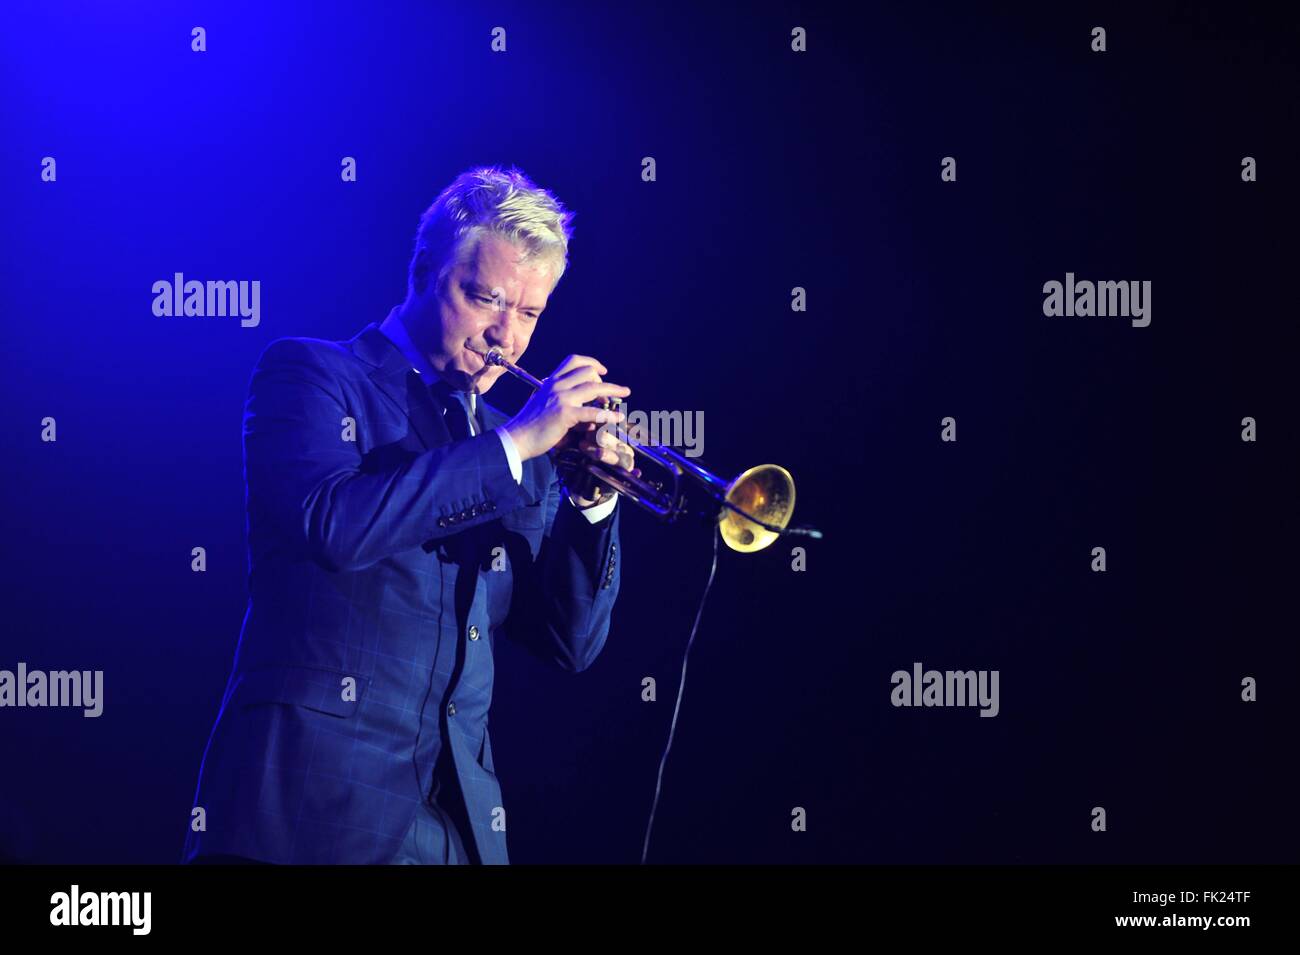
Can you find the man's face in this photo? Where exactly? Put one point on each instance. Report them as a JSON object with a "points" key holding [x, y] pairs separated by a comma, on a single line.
{"points": [[488, 300]]}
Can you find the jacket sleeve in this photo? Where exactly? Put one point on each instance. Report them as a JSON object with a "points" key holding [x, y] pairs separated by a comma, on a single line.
{"points": [[562, 604], [305, 480]]}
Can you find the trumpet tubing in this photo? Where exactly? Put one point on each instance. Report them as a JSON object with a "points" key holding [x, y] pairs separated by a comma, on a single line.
{"points": [[752, 508]]}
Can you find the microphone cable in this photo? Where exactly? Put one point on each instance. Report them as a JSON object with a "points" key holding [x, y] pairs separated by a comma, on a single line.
{"points": [[681, 686]]}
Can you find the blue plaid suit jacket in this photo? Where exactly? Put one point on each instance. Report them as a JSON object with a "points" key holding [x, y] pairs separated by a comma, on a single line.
{"points": [[385, 560]]}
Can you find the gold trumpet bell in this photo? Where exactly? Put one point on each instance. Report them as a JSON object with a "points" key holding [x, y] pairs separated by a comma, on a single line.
{"points": [[766, 492]]}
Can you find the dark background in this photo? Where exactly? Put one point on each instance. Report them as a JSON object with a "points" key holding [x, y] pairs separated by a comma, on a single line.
{"points": [[775, 170]]}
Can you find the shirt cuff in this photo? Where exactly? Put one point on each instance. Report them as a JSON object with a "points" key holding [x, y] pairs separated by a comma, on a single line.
{"points": [[597, 512], [512, 456]]}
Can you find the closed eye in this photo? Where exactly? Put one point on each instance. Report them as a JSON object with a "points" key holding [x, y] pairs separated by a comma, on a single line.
{"points": [[488, 300]]}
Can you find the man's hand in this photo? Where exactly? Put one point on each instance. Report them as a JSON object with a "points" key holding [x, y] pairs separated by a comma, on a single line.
{"points": [[561, 404], [600, 444]]}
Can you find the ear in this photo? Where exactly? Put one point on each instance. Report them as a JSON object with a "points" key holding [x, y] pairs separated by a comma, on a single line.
{"points": [[421, 270]]}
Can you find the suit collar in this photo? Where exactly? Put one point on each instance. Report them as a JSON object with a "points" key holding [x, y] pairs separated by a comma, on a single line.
{"points": [[392, 374]]}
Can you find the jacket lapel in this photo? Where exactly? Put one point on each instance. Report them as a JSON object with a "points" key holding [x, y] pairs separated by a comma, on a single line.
{"points": [[394, 376]]}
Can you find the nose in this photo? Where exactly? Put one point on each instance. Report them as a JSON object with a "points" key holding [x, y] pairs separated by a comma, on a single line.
{"points": [[501, 332]]}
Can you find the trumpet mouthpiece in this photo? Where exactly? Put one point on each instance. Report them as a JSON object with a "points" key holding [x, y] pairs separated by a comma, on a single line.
{"points": [[494, 357]]}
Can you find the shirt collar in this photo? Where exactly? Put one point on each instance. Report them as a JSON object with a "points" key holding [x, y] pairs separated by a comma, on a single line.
{"points": [[396, 332]]}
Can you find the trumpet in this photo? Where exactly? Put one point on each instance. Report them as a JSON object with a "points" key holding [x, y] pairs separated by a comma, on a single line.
{"points": [[752, 510]]}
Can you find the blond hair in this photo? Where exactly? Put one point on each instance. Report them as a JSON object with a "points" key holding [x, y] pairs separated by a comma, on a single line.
{"points": [[489, 200]]}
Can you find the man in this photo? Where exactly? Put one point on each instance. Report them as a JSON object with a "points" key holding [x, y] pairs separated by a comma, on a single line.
{"points": [[398, 525]]}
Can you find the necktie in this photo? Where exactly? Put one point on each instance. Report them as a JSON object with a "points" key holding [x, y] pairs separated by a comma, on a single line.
{"points": [[454, 412]]}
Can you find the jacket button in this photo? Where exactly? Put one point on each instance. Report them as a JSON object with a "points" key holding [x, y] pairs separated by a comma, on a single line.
{"points": [[473, 632], [451, 709]]}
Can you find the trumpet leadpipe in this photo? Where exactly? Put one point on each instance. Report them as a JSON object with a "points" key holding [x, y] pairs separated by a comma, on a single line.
{"points": [[494, 357]]}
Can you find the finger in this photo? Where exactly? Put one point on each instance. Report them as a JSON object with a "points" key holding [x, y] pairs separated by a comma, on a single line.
{"points": [[574, 361], [613, 456], [595, 389], [598, 415], [605, 447], [574, 376], [604, 439]]}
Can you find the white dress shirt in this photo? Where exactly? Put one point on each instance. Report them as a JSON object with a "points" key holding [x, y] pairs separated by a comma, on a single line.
{"points": [[395, 331]]}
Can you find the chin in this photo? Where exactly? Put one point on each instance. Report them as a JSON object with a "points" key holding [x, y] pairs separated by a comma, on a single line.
{"points": [[486, 380]]}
